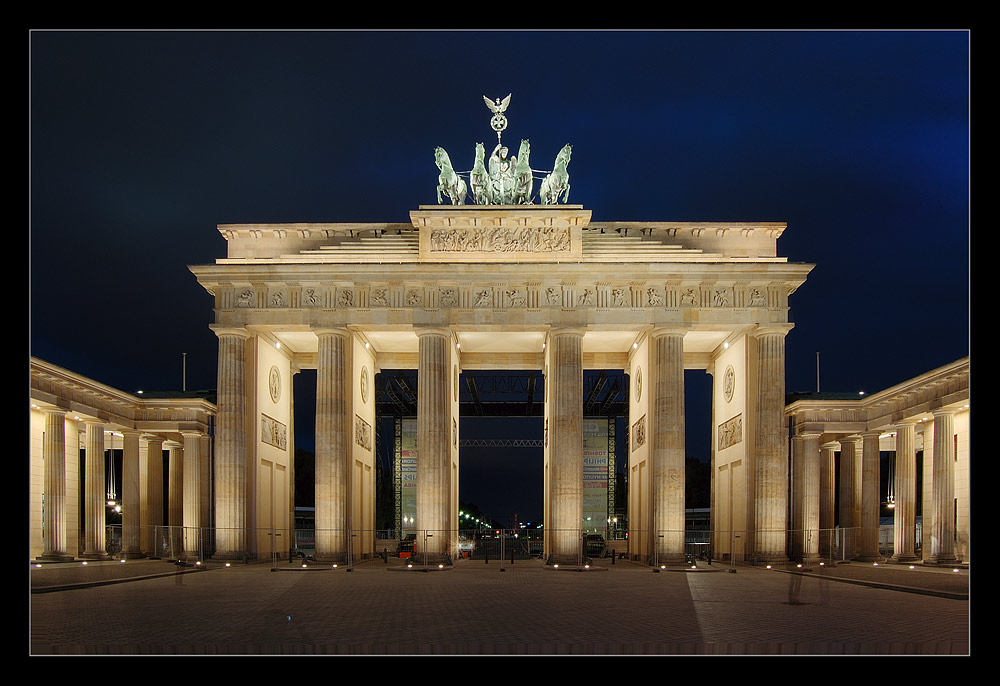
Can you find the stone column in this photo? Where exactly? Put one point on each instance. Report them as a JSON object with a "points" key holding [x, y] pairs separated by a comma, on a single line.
{"points": [[795, 531], [870, 497], [850, 496], [770, 449], [333, 444], [809, 497], [904, 534], [152, 520], [667, 443], [191, 506], [927, 491], [231, 446], [827, 497], [433, 443], [565, 397], [206, 488], [54, 485], [131, 509], [95, 495], [175, 498], [943, 489]]}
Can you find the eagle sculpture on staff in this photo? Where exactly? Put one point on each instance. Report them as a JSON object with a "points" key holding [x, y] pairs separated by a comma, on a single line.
{"points": [[499, 122]]}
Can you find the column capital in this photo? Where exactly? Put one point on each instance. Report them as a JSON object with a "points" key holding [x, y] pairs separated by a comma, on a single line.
{"points": [[772, 329], [191, 433], [660, 331], [54, 411], [830, 445], [331, 331], [943, 412], [130, 432], [421, 331], [567, 331], [809, 434], [904, 423], [221, 331], [152, 438], [871, 432]]}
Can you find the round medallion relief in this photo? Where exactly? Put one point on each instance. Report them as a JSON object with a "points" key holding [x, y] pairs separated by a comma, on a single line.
{"points": [[274, 383], [364, 384], [729, 383]]}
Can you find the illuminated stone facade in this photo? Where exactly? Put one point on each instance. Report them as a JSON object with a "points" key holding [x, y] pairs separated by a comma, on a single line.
{"points": [[503, 287]]}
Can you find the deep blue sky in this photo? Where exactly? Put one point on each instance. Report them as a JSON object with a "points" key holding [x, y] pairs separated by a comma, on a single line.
{"points": [[142, 142]]}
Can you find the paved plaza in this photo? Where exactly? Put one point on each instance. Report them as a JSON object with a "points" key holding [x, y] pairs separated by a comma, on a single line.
{"points": [[475, 608]]}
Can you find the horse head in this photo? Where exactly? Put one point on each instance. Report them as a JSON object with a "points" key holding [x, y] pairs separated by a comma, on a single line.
{"points": [[441, 159], [524, 151]]}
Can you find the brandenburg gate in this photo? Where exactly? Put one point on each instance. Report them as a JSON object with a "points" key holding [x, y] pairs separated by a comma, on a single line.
{"points": [[501, 284]]}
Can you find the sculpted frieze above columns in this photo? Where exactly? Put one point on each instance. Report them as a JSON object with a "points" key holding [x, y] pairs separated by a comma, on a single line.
{"points": [[523, 239], [530, 295]]}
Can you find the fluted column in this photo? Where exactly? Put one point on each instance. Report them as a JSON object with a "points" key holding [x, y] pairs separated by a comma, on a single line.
{"points": [[231, 446], [870, 497], [796, 525], [850, 495], [927, 491], [433, 434], [827, 497], [95, 493], [152, 520], [206, 486], [770, 450], [191, 505], [54, 485], [943, 489], [333, 443], [904, 535], [131, 509], [667, 443], [565, 398], [175, 497], [809, 497]]}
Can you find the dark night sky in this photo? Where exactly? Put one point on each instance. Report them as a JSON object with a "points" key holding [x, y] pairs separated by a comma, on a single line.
{"points": [[142, 142]]}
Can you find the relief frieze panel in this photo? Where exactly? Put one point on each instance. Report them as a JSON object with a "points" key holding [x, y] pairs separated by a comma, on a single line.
{"points": [[639, 433], [730, 432], [273, 432], [362, 433], [524, 295], [501, 240]]}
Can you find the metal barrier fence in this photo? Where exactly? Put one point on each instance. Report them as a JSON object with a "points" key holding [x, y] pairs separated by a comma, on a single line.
{"points": [[580, 546]]}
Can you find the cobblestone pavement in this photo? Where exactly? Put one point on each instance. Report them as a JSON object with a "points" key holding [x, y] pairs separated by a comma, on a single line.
{"points": [[475, 608]]}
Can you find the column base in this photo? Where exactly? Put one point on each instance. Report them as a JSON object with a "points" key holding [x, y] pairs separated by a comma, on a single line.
{"points": [[54, 557], [941, 561], [431, 559], [94, 556], [904, 557], [669, 559], [564, 560], [869, 558], [331, 558]]}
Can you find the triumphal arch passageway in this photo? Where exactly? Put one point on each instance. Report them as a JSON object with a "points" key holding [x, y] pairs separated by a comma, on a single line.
{"points": [[501, 286]]}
